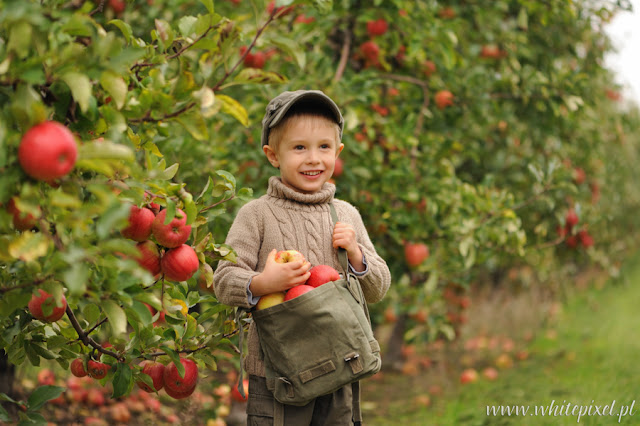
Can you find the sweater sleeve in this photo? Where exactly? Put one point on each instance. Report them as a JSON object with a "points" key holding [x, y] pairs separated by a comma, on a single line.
{"points": [[377, 280], [231, 279]]}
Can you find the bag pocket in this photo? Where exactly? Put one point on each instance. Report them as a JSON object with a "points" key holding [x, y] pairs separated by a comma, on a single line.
{"points": [[316, 343]]}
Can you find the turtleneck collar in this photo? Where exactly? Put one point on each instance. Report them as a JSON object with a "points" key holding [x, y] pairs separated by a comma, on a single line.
{"points": [[279, 190]]}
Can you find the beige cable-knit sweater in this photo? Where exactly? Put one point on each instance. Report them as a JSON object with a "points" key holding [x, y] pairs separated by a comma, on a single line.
{"points": [[285, 219]]}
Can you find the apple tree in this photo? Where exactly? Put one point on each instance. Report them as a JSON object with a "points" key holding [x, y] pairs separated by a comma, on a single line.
{"points": [[113, 194]]}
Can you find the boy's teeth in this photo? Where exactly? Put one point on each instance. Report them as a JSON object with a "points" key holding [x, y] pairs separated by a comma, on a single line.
{"points": [[311, 173]]}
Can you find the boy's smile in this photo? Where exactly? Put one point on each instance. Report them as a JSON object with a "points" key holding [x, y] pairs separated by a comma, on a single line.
{"points": [[306, 155]]}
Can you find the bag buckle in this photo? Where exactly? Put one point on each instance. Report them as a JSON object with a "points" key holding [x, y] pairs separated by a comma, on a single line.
{"points": [[354, 362]]}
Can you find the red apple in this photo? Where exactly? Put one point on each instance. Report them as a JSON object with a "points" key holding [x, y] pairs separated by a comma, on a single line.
{"points": [[491, 51], [579, 175], [95, 397], [149, 257], [47, 151], [177, 384], [370, 50], [585, 239], [21, 221], [429, 68], [120, 413], [173, 234], [296, 291], [140, 221], [269, 300], [97, 369], [416, 253], [490, 373], [469, 375], [179, 395], [180, 263], [443, 99], [46, 377], [77, 368], [52, 311], [377, 27], [118, 6], [321, 274], [235, 393], [155, 370], [286, 256], [571, 219]]}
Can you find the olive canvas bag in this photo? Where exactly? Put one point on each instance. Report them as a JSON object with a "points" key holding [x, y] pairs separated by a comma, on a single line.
{"points": [[320, 341]]}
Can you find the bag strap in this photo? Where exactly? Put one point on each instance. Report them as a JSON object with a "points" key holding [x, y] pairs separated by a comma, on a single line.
{"points": [[344, 262], [342, 253]]}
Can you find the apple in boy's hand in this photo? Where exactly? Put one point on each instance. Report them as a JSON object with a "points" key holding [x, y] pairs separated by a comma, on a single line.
{"points": [[286, 256], [321, 274], [296, 291], [269, 300]]}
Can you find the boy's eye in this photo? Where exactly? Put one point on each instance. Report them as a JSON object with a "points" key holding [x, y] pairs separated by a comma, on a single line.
{"points": [[298, 147]]}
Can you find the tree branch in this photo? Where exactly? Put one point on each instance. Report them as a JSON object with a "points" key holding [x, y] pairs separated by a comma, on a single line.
{"points": [[344, 53], [88, 341], [217, 204], [244, 55]]}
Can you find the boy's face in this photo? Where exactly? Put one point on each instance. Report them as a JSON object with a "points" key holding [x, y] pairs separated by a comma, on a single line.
{"points": [[306, 154]]}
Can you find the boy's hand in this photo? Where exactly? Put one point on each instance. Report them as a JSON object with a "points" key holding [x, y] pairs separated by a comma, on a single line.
{"points": [[345, 236], [279, 276]]}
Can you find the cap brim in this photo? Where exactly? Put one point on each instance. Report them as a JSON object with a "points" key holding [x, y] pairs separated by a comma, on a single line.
{"points": [[309, 95]]}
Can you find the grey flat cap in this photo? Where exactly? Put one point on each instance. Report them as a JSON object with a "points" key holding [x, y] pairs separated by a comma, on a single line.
{"points": [[278, 107]]}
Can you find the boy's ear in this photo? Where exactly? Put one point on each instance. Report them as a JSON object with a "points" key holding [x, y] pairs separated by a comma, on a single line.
{"points": [[339, 150], [271, 156]]}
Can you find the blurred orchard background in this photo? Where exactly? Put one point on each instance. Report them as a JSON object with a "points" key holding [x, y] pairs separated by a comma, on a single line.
{"points": [[489, 149]]}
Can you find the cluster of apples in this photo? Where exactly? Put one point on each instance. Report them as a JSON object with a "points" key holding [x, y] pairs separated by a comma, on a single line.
{"points": [[168, 377], [180, 261], [320, 274]]}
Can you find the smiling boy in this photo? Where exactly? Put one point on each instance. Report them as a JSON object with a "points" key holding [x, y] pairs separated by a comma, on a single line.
{"points": [[302, 137]]}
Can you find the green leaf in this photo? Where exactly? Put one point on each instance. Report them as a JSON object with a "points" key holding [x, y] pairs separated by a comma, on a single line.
{"points": [[291, 47], [41, 395], [245, 194], [209, 5], [195, 124], [115, 214], [169, 172], [115, 86], [142, 312], [80, 86], [234, 109], [29, 246], [116, 315], [124, 27], [4, 416], [175, 358], [122, 380], [258, 76], [20, 39], [76, 278]]}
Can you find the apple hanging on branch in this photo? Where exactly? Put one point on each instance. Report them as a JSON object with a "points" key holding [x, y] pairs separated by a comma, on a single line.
{"points": [[47, 151]]}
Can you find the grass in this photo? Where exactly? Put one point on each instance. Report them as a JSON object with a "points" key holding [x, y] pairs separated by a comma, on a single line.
{"points": [[586, 357]]}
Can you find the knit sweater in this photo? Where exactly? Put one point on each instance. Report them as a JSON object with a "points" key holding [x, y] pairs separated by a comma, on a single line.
{"points": [[284, 219]]}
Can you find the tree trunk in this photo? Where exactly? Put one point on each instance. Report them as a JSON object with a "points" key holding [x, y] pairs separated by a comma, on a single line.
{"points": [[393, 359], [7, 375]]}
